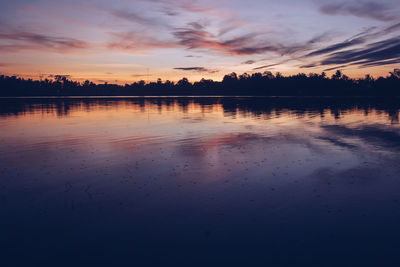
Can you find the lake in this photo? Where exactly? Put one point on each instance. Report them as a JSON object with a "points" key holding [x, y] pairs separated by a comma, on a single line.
{"points": [[200, 181]]}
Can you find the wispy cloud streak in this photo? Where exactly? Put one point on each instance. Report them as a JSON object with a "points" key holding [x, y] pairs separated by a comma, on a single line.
{"points": [[21, 40], [373, 10], [198, 69]]}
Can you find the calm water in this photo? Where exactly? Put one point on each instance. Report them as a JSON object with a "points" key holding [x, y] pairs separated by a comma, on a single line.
{"points": [[204, 181]]}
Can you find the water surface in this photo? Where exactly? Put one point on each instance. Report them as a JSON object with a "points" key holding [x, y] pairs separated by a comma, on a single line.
{"points": [[207, 181]]}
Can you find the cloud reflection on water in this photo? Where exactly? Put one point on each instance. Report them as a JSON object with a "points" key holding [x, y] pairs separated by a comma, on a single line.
{"points": [[163, 172]]}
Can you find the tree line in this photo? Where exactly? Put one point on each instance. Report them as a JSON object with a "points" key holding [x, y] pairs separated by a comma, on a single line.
{"points": [[256, 84]]}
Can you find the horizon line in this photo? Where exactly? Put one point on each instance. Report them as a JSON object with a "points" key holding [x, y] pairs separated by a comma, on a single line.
{"points": [[51, 77]]}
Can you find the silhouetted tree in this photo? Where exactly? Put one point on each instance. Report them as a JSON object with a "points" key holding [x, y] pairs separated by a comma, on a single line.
{"points": [[337, 75], [395, 73], [245, 84], [183, 83]]}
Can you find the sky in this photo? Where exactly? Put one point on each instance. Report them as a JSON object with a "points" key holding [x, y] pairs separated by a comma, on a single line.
{"points": [[123, 41]]}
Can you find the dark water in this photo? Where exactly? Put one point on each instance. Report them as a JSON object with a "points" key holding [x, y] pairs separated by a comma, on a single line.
{"points": [[203, 181]]}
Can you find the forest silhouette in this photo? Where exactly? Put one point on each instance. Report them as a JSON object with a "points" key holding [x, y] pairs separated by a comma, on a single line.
{"points": [[256, 84]]}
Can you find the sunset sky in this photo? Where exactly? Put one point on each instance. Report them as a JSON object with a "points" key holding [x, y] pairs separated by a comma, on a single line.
{"points": [[124, 41]]}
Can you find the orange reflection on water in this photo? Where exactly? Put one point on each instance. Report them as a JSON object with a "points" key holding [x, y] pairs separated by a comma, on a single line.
{"points": [[212, 138]]}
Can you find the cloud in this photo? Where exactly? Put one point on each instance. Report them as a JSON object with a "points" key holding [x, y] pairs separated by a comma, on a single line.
{"points": [[137, 42], [392, 28], [194, 7], [192, 68], [198, 69], [140, 75], [335, 68], [201, 41], [21, 40], [361, 50], [131, 16], [170, 12], [375, 52], [337, 46], [138, 18], [249, 62], [246, 44], [218, 31], [213, 29], [365, 36], [266, 66], [196, 25], [209, 35], [322, 37], [306, 66], [373, 10], [380, 63]]}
